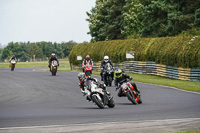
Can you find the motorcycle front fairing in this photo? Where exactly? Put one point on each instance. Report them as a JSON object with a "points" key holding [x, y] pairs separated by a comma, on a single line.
{"points": [[97, 91]]}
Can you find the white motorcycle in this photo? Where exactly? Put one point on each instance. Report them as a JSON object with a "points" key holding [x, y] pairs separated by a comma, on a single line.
{"points": [[54, 67], [99, 96]]}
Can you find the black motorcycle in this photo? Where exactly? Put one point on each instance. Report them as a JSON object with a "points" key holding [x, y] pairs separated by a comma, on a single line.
{"points": [[107, 74]]}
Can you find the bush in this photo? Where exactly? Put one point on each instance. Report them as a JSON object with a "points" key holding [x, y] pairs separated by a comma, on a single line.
{"points": [[173, 51]]}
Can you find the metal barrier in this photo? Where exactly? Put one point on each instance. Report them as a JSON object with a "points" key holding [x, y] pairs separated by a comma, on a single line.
{"points": [[189, 74]]}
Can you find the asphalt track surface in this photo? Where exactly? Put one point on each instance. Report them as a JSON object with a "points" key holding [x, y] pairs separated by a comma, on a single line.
{"points": [[35, 98]]}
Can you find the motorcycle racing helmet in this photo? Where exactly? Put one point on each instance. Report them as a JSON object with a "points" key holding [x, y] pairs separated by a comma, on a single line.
{"points": [[87, 57], [106, 58], [81, 76], [53, 55], [118, 73]]}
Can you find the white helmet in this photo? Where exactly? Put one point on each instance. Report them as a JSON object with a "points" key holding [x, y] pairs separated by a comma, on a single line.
{"points": [[106, 58]]}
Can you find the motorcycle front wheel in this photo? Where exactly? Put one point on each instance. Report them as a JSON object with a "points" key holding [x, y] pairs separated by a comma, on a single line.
{"points": [[13, 67], [110, 81], [131, 98], [98, 102], [54, 72]]}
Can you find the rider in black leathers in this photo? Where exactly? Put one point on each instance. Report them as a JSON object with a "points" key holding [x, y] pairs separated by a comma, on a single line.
{"points": [[121, 78], [103, 63], [53, 57], [13, 58]]}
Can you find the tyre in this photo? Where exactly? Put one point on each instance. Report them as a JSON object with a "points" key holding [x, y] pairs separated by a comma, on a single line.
{"points": [[88, 73], [12, 69], [111, 103], [110, 81], [106, 81], [131, 98], [140, 101], [98, 102], [53, 72]]}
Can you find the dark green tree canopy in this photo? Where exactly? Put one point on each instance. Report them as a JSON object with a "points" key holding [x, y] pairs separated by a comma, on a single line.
{"points": [[25, 51], [121, 19]]}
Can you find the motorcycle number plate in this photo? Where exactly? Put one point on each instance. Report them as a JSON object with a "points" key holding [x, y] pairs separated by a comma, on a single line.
{"points": [[55, 67]]}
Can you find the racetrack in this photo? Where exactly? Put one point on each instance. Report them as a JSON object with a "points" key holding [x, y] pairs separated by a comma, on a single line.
{"points": [[35, 98]]}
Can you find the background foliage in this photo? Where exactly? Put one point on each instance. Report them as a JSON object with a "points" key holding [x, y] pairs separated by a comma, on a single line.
{"points": [[122, 19], [25, 50], [173, 51]]}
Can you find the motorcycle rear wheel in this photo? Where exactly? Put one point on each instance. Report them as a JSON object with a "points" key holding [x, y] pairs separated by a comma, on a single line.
{"points": [[140, 101], [131, 98], [111, 103]]}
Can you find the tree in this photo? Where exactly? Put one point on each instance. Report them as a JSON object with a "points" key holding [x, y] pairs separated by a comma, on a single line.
{"points": [[67, 47], [197, 18], [132, 15], [106, 20], [33, 49]]}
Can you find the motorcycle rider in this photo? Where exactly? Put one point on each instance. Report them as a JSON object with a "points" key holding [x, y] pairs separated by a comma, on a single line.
{"points": [[53, 57], [83, 85], [13, 58], [121, 78], [86, 61], [103, 64]]}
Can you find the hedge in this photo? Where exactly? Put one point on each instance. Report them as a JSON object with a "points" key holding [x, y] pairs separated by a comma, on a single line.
{"points": [[172, 51]]}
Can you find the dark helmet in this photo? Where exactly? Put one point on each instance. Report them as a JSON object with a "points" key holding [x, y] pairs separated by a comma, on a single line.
{"points": [[13, 56], [87, 57], [118, 73]]}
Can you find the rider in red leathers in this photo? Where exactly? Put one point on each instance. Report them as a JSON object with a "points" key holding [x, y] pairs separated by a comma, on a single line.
{"points": [[86, 61]]}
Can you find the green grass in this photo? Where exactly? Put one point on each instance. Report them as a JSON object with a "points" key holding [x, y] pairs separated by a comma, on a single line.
{"points": [[185, 85], [187, 132], [34, 64]]}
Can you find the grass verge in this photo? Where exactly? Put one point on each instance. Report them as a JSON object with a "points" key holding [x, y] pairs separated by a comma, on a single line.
{"points": [[188, 132], [33, 64], [144, 78]]}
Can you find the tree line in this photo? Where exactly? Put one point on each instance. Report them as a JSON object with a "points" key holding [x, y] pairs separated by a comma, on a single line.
{"points": [[122, 19], [24, 51]]}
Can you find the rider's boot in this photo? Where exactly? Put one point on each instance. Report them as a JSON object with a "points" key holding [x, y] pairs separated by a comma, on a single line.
{"points": [[88, 98]]}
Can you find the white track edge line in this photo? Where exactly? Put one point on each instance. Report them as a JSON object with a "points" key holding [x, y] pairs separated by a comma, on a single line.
{"points": [[56, 126]]}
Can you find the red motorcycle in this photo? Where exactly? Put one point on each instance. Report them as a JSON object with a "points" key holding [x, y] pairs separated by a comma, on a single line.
{"points": [[88, 70], [131, 93]]}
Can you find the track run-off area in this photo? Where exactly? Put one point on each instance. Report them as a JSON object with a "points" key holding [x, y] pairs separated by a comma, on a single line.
{"points": [[35, 101]]}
